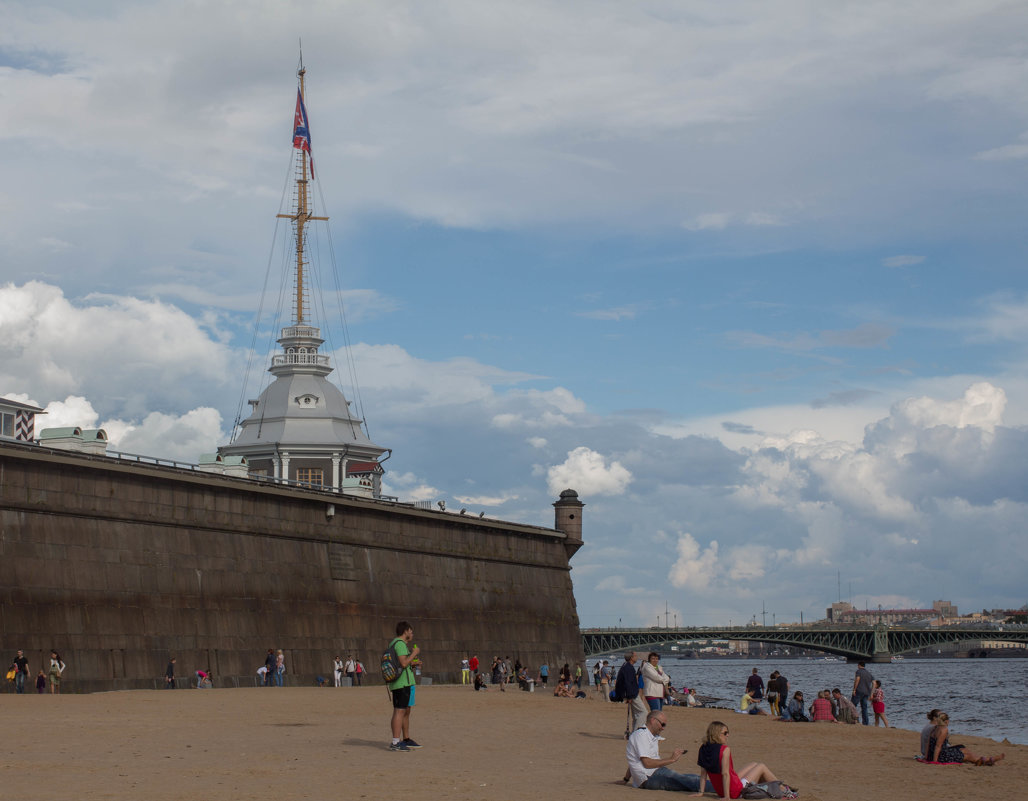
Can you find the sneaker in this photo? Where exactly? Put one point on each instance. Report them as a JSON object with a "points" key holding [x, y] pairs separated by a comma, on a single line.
{"points": [[400, 746], [411, 744]]}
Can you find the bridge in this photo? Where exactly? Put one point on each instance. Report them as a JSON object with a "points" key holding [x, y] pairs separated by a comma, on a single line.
{"points": [[877, 643]]}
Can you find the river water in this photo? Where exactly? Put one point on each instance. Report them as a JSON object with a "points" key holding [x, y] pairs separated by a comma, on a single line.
{"points": [[981, 696]]}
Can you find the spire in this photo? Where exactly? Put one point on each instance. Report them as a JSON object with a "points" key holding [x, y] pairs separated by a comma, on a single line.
{"points": [[301, 216], [300, 341]]}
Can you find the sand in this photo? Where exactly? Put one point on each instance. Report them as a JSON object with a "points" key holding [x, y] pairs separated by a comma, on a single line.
{"points": [[298, 743]]}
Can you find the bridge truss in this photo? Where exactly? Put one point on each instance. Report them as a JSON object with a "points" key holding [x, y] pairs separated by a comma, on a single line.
{"points": [[872, 643]]}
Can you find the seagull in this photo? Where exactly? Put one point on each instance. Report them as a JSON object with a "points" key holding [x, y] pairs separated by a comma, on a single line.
{"points": [[463, 511], [441, 505]]}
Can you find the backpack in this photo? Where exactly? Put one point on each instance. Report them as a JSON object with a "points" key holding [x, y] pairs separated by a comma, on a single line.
{"points": [[391, 668]]}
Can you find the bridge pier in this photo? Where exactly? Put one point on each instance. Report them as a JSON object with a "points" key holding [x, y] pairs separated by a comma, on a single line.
{"points": [[880, 653]]}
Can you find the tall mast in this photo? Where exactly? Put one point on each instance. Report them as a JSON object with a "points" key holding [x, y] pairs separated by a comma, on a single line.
{"points": [[302, 214]]}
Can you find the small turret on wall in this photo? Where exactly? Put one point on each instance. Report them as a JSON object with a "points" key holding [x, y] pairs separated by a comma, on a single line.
{"points": [[568, 519]]}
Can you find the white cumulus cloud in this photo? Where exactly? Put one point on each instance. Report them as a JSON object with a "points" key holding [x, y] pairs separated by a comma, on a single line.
{"points": [[588, 472]]}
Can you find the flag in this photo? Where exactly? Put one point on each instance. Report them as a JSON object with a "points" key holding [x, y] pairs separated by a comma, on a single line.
{"points": [[301, 129]]}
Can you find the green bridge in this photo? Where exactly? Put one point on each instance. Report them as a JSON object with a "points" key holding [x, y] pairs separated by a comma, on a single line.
{"points": [[871, 643]]}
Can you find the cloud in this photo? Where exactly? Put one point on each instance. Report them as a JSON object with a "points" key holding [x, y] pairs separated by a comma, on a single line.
{"points": [[866, 335], [844, 398], [617, 314], [902, 261], [182, 437], [694, 568], [154, 353], [716, 221], [588, 472], [1006, 152]]}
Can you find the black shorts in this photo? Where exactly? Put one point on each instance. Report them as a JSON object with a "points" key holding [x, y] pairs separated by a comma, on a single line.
{"points": [[401, 698]]}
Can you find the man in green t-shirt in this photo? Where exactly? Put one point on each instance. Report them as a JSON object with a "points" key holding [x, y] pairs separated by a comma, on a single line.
{"points": [[401, 688]]}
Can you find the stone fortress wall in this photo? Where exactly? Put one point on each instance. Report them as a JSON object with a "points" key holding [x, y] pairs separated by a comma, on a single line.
{"points": [[120, 565]]}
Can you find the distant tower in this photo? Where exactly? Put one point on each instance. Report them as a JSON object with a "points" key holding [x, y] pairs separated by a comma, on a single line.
{"points": [[301, 427], [567, 514]]}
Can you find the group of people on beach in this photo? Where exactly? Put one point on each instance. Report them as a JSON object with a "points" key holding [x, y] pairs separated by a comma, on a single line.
{"points": [[830, 706], [352, 669], [18, 674]]}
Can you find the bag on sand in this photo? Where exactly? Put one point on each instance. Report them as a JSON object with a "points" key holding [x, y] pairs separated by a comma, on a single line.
{"points": [[773, 789], [769, 790]]}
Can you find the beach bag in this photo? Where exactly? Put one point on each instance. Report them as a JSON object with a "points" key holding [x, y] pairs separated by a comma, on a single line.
{"points": [[391, 664], [769, 790], [11, 674]]}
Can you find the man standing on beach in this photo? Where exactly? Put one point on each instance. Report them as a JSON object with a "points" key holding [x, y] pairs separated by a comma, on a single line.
{"points": [[627, 687], [645, 767], [169, 675], [862, 691], [21, 667], [350, 669], [755, 685], [400, 688]]}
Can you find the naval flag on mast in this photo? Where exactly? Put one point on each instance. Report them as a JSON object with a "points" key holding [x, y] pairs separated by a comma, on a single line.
{"points": [[301, 129]]}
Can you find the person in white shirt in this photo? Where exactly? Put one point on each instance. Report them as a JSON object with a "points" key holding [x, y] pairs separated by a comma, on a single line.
{"points": [[337, 671], [647, 770], [350, 668]]}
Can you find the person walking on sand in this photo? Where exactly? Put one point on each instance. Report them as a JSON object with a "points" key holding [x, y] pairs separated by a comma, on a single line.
{"points": [[626, 687], [169, 675], [21, 668], [465, 670], [878, 703], [400, 688], [350, 669], [862, 691], [57, 667], [337, 671]]}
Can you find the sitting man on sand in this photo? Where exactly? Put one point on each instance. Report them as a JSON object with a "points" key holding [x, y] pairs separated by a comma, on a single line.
{"points": [[748, 705], [847, 713], [647, 770]]}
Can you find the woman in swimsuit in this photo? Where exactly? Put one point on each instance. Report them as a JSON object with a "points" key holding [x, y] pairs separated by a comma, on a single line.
{"points": [[940, 750]]}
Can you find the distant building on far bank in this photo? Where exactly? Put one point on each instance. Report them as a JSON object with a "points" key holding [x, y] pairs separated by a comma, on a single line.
{"points": [[845, 613]]}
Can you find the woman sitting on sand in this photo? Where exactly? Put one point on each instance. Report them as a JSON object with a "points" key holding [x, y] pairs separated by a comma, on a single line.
{"points": [[926, 732], [794, 709], [941, 751], [821, 709], [715, 761]]}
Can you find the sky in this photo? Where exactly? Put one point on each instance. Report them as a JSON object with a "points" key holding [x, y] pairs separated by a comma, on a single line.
{"points": [[748, 276]]}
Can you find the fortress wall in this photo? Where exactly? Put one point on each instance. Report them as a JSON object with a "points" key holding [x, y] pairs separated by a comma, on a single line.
{"points": [[118, 566]]}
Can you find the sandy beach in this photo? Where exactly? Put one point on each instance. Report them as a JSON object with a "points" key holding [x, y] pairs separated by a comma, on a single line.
{"points": [[299, 743]]}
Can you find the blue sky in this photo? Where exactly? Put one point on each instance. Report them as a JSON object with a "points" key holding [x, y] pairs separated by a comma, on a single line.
{"points": [[749, 276]]}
